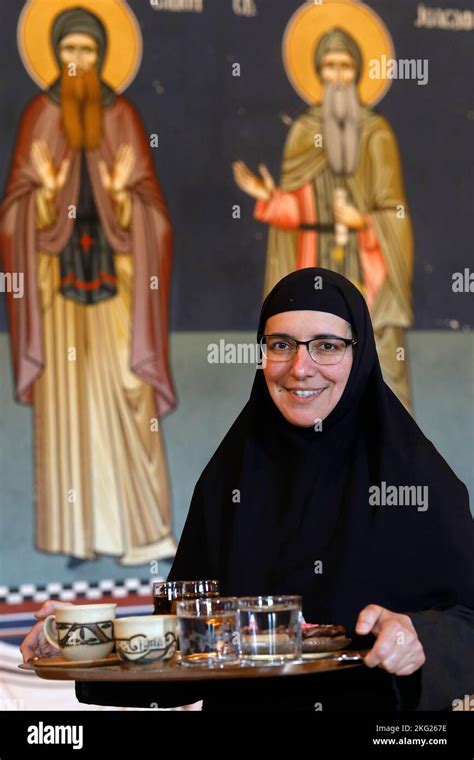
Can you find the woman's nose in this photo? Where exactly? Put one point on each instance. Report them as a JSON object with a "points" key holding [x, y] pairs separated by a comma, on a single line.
{"points": [[302, 362]]}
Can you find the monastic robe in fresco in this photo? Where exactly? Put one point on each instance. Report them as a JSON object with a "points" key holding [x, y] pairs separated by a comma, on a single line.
{"points": [[378, 258], [97, 374]]}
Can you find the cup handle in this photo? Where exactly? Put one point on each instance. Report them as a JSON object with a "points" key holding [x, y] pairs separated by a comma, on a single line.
{"points": [[49, 634]]}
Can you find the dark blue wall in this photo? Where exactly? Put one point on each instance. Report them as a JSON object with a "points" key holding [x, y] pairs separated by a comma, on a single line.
{"points": [[206, 118]]}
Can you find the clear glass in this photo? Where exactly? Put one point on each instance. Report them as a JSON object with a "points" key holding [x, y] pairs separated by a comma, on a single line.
{"points": [[270, 629], [327, 350], [166, 594], [209, 631]]}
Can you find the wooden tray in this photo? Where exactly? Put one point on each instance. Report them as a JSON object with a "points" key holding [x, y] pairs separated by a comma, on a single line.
{"points": [[334, 661]]}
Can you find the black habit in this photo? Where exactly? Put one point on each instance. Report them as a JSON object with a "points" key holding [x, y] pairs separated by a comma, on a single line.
{"points": [[275, 499]]}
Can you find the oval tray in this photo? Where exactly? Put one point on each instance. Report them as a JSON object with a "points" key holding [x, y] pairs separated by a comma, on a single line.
{"points": [[333, 661]]}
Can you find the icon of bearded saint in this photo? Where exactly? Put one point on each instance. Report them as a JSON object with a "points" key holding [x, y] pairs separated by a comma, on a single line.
{"points": [[84, 219], [341, 204]]}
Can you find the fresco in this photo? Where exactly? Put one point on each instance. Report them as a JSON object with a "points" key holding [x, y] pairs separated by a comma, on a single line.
{"points": [[340, 202], [85, 222]]}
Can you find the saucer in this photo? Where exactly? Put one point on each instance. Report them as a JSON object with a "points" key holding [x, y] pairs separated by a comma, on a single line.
{"points": [[324, 644]]}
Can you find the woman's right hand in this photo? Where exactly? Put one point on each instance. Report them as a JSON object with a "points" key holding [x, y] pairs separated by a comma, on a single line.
{"points": [[35, 644]]}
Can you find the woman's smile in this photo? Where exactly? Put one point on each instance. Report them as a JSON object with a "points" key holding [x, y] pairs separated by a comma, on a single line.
{"points": [[304, 390], [304, 395]]}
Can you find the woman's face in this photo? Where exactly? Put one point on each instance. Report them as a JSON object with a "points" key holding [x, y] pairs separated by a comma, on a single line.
{"points": [[302, 373]]}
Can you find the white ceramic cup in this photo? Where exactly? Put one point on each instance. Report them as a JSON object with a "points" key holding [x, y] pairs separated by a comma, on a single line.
{"points": [[83, 631], [146, 639]]}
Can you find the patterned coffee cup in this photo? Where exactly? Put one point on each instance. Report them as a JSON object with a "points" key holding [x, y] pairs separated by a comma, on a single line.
{"points": [[83, 631], [146, 639]]}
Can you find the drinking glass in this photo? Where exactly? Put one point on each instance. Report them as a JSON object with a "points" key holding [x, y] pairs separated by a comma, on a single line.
{"points": [[270, 629], [208, 631], [166, 594]]}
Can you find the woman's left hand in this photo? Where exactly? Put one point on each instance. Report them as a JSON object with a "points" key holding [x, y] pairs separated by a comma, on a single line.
{"points": [[397, 648]]}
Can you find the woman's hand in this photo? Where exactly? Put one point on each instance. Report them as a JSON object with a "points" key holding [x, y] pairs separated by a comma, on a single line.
{"points": [[35, 644], [398, 648], [260, 188]]}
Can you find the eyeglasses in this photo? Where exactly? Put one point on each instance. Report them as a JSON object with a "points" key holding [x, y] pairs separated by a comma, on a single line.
{"points": [[323, 349]]}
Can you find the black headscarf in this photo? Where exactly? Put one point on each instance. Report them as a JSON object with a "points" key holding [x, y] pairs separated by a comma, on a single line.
{"points": [[276, 499]]}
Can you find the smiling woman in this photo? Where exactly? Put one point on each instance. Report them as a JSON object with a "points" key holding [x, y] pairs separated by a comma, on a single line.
{"points": [[305, 498], [306, 385], [399, 579]]}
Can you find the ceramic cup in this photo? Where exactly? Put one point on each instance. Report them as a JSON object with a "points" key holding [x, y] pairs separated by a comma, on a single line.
{"points": [[83, 631], [146, 639]]}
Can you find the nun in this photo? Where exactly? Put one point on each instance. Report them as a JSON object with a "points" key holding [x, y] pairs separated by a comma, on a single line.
{"points": [[325, 486]]}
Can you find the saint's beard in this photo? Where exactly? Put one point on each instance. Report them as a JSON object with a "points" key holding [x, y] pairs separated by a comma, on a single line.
{"points": [[81, 108], [341, 127]]}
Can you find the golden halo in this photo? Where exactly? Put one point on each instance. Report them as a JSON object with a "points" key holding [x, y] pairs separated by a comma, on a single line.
{"points": [[311, 21], [124, 39]]}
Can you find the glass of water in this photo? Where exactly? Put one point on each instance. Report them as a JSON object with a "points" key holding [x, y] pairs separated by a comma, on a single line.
{"points": [[209, 631], [270, 629]]}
